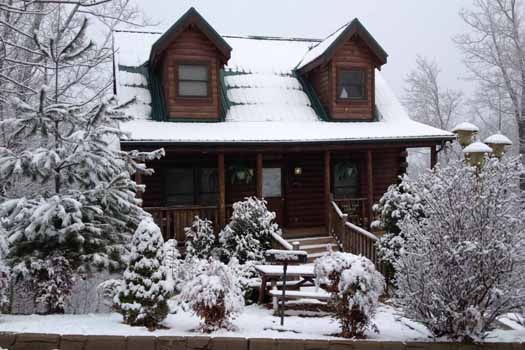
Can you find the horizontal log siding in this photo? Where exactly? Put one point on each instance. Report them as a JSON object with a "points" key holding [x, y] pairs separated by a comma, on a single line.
{"points": [[353, 54], [387, 167], [304, 194], [191, 46], [320, 80]]}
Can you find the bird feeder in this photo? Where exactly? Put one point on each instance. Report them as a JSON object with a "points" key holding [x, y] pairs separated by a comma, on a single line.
{"points": [[498, 142], [465, 133], [475, 153]]}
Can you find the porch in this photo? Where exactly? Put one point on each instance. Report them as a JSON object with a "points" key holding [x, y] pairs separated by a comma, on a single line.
{"points": [[299, 184]]}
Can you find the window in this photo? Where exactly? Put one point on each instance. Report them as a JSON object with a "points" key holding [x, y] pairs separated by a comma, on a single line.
{"points": [[346, 180], [193, 80], [351, 84], [191, 186]]}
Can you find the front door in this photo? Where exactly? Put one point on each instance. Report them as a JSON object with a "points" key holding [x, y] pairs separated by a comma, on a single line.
{"points": [[273, 191]]}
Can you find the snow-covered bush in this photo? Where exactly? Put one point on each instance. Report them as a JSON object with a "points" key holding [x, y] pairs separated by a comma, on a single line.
{"points": [[392, 207], [109, 289], [355, 286], [53, 281], [200, 239], [249, 233], [461, 265], [142, 299], [213, 294]]}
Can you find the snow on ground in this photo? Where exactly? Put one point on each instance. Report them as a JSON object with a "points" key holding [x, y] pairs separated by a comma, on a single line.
{"points": [[253, 322]]}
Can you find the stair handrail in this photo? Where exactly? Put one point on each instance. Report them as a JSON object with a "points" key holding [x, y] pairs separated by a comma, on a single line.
{"points": [[284, 243]]}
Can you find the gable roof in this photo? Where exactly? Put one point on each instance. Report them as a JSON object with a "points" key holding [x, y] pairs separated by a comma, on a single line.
{"points": [[324, 51], [192, 16], [267, 101]]}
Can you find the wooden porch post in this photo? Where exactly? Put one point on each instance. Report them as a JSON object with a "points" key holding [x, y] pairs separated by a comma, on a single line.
{"points": [[259, 175], [327, 178], [138, 181], [222, 190], [370, 181], [433, 157]]}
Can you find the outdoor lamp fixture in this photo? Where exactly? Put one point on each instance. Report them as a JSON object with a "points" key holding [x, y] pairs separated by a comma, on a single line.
{"points": [[475, 153], [498, 142], [465, 133], [298, 171]]}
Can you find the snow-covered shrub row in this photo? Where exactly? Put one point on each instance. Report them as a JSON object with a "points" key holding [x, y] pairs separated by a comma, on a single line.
{"points": [[214, 294], [249, 233], [461, 265], [355, 286], [143, 296]]}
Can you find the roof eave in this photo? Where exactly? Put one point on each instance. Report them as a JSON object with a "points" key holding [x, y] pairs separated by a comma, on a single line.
{"points": [[355, 27], [191, 16]]}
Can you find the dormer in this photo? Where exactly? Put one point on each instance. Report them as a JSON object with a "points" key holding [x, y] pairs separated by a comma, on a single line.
{"points": [[341, 69], [185, 62]]}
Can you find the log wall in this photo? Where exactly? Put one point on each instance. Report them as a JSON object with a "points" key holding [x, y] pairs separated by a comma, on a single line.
{"points": [[191, 47]]}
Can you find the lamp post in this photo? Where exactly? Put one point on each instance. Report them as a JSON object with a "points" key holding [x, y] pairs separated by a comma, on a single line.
{"points": [[465, 133], [475, 153], [498, 142]]}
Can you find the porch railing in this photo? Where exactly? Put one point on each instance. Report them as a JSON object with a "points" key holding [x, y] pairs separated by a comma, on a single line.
{"points": [[357, 209], [352, 238], [173, 220]]}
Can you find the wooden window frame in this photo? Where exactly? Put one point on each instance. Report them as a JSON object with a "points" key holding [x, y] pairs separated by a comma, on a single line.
{"points": [[208, 65], [339, 72], [197, 193]]}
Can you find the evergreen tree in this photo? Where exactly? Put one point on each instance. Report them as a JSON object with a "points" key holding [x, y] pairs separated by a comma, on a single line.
{"points": [[143, 297], [200, 239], [85, 208], [249, 233]]}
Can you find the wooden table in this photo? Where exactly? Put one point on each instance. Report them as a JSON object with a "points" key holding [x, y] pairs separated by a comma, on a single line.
{"points": [[273, 273]]}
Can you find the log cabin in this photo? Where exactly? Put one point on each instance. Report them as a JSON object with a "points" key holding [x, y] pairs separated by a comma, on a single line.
{"points": [[298, 122]]}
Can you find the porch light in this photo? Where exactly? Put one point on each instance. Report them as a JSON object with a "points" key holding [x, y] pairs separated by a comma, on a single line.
{"points": [[475, 152], [498, 142], [298, 171], [465, 133]]}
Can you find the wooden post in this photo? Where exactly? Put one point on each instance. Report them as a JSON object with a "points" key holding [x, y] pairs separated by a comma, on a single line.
{"points": [[327, 178], [138, 181], [259, 174], [433, 157], [370, 180], [222, 190]]}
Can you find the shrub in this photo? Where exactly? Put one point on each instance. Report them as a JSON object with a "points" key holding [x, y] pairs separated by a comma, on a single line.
{"points": [[142, 299], [355, 286], [249, 233], [461, 264], [200, 239], [213, 294]]}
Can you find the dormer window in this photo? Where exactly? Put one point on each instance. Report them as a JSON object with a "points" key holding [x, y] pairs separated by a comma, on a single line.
{"points": [[193, 80], [351, 84]]}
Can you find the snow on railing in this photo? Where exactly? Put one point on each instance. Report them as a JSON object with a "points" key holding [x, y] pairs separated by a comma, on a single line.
{"points": [[282, 241]]}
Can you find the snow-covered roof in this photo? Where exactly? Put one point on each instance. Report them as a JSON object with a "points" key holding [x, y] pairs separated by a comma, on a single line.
{"points": [[268, 102]]}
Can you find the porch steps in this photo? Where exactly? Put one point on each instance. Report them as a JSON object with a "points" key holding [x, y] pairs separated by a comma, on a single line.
{"points": [[316, 246]]}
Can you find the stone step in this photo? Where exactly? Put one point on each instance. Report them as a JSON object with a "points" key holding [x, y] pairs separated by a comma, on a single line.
{"points": [[313, 240], [312, 257], [319, 248]]}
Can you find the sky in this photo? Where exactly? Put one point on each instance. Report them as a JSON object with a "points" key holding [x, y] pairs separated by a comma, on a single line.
{"points": [[404, 28]]}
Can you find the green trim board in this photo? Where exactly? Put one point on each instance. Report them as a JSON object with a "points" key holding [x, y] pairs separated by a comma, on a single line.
{"points": [[314, 98]]}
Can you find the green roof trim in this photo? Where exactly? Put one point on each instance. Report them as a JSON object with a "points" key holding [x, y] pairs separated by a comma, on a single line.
{"points": [[158, 104], [314, 98], [223, 96]]}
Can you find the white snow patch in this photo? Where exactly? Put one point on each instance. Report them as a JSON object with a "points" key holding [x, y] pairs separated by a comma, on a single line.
{"points": [[465, 126], [498, 139]]}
